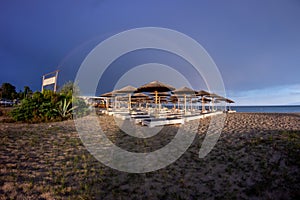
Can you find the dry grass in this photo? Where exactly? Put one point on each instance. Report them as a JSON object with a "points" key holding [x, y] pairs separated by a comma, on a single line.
{"points": [[257, 156]]}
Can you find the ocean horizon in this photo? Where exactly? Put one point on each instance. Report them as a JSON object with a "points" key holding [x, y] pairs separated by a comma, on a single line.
{"points": [[268, 108]]}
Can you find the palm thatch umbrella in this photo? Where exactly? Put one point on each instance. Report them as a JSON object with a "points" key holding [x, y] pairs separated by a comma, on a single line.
{"points": [[108, 95], [160, 94], [163, 100], [229, 101], [213, 97], [127, 90], [161, 97], [202, 94], [184, 91], [174, 100], [205, 100], [155, 86], [139, 97]]}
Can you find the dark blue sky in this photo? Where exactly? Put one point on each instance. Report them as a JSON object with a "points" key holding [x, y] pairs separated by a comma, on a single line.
{"points": [[255, 44]]}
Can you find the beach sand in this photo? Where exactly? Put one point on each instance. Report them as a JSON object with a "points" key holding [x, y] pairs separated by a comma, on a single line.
{"points": [[256, 156]]}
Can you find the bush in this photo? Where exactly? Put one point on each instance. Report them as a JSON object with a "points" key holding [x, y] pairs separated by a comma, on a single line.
{"points": [[51, 106], [71, 92], [39, 108], [82, 108], [47, 106]]}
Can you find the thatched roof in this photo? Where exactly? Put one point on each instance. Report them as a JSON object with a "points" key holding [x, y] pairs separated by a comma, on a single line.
{"points": [[139, 95], [184, 90], [108, 94], [202, 93], [173, 98], [155, 86], [126, 89], [213, 95], [229, 101]]}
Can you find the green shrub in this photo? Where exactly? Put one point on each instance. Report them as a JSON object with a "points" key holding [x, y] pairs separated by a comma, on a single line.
{"points": [[39, 108], [81, 108], [50, 106], [47, 106]]}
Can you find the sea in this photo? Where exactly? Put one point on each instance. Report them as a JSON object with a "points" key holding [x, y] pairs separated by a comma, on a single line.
{"points": [[268, 109]]}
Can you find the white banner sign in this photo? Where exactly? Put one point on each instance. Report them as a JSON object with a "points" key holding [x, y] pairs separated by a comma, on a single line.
{"points": [[49, 81]]}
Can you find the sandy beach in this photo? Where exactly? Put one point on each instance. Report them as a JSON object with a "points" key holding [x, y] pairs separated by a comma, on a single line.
{"points": [[256, 157]]}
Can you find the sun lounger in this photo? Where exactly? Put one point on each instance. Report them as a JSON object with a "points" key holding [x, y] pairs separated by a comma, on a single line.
{"points": [[138, 113], [139, 119], [122, 116], [117, 112], [230, 111], [140, 116], [164, 121]]}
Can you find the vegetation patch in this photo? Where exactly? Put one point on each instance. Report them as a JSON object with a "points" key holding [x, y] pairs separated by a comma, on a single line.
{"points": [[49, 106]]}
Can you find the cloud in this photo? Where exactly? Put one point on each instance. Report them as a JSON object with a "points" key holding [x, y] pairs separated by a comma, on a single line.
{"points": [[280, 95]]}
